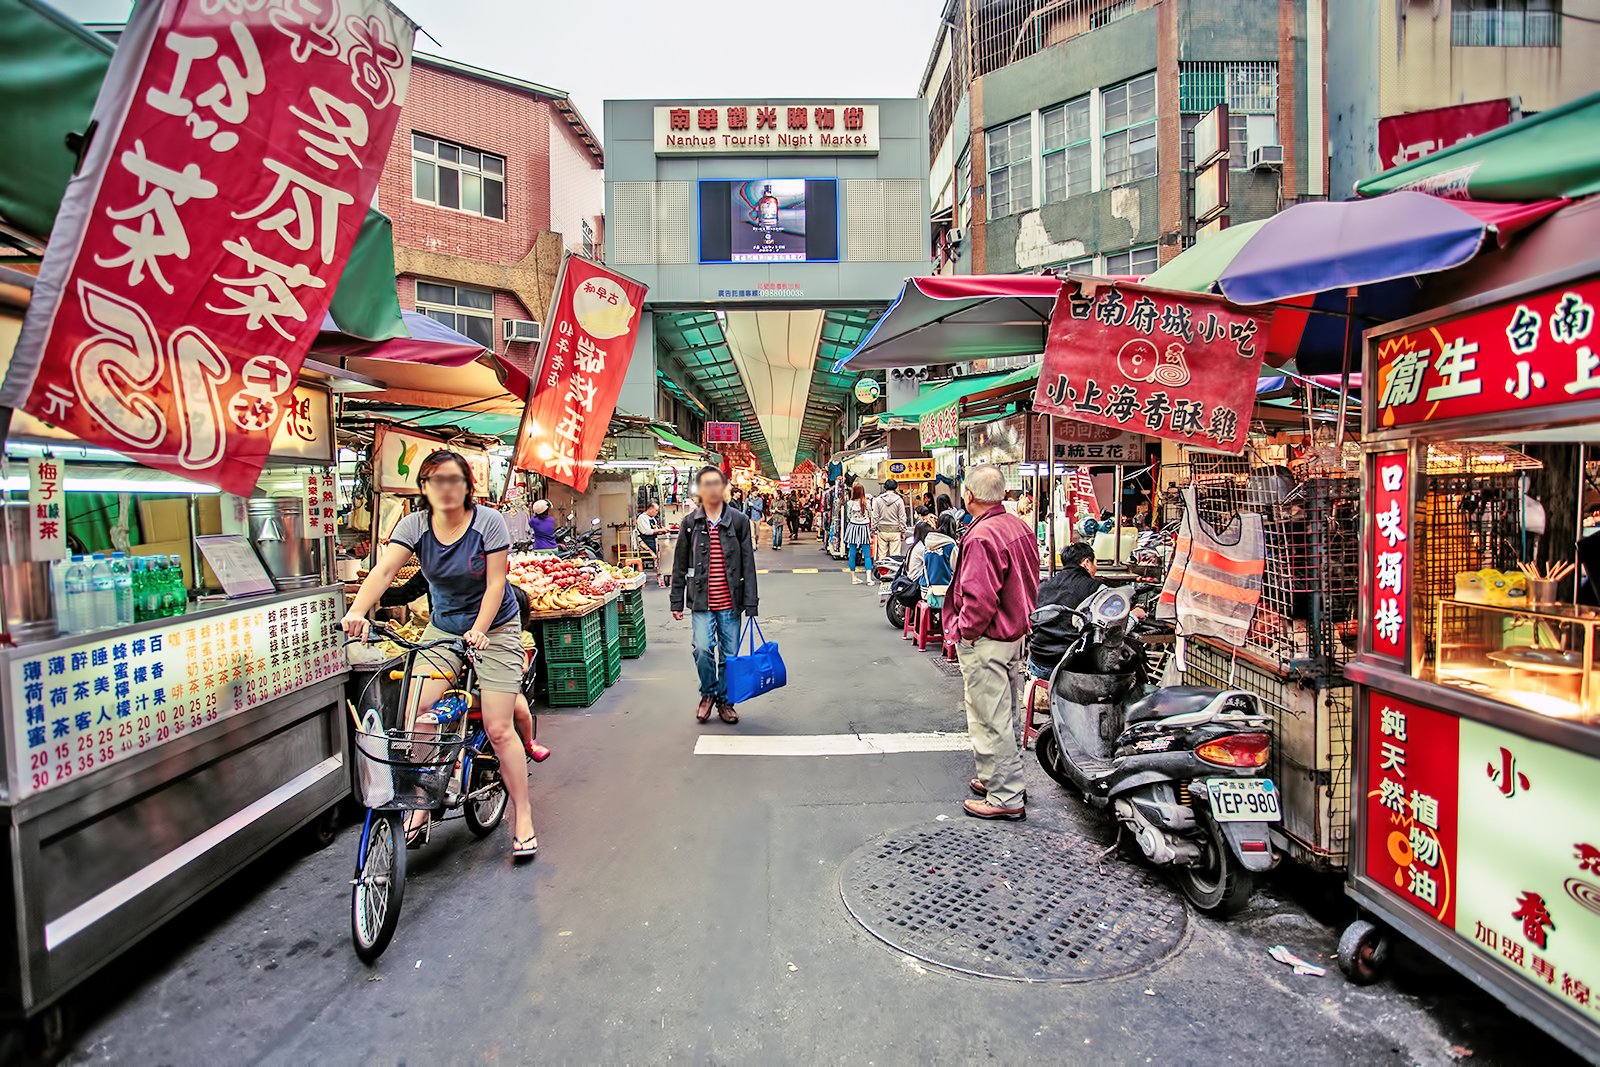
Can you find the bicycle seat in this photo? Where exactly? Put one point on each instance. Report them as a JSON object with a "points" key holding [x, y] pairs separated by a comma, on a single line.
{"points": [[1173, 700]]}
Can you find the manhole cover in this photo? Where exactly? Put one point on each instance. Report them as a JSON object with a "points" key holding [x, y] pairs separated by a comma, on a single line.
{"points": [[1010, 902]]}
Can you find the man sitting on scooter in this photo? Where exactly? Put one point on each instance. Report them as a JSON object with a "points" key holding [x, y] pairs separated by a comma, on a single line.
{"points": [[1070, 586]]}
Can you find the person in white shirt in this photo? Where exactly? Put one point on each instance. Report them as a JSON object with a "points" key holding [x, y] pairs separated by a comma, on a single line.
{"points": [[648, 526]]}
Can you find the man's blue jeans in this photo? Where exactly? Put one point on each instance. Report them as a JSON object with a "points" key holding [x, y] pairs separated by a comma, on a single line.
{"points": [[777, 534], [714, 630]]}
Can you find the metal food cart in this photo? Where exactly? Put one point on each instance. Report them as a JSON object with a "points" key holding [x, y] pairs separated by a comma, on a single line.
{"points": [[1477, 740]]}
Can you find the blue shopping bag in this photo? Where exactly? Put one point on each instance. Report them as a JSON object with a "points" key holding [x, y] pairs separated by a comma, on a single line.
{"points": [[749, 674]]}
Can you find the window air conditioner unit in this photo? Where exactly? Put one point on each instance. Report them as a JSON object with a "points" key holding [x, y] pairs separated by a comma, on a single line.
{"points": [[521, 330], [956, 235], [1267, 157]]}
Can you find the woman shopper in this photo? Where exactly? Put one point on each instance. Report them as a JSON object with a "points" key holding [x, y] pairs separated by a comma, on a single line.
{"points": [[462, 550], [542, 524], [758, 510], [858, 531]]}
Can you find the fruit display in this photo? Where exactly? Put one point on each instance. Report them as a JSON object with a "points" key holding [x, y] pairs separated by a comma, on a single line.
{"points": [[554, 584]]}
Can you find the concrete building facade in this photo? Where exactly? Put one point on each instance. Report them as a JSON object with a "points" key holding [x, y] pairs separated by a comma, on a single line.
{"points": [[1060, 130]]}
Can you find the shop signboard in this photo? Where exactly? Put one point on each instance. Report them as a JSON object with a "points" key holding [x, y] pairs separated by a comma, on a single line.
{"points": [[721, 433], [907, 470], [47, 509], [940, 428], [322, 503], [1483, 832], [1185, 367], [766, 129], [1388, 584], [1535, 350], [400, 453], [93, 700], [1404, 138], [1086, 441], [236, 149], [305, 433], [583, 357]]}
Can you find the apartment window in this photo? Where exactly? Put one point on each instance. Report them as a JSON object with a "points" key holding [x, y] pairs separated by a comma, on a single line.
{"points": [[1138, 261], [1128, 145], [588, 240], [1106, 14], [1506, 23], [466, 311], [1065, 144], [456, 177], [1010, 163], [964, 190], [1247, 133]]}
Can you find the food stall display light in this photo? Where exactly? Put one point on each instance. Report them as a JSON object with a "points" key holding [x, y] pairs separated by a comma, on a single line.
{"points": [[119, 485], [1236, 750]]}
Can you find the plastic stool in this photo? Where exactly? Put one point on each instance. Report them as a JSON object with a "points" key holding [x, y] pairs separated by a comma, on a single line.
{"points": [[925, 628], [908, 629]]}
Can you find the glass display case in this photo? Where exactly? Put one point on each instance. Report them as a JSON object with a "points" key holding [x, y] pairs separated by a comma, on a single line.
{"points": [[1541, 659]]}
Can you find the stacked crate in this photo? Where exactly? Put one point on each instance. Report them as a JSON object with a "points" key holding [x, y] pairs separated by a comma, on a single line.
{"points": [[613, 643], [631, 614], [574, 654]]}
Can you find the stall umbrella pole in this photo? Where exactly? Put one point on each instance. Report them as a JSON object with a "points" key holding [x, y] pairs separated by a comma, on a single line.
{"points": [[1050, 488], [1344, 370]]}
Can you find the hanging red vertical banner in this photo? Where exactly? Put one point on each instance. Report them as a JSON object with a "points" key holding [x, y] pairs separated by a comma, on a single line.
{"points": [[584, 353], [234, 150], [1388, 583]]}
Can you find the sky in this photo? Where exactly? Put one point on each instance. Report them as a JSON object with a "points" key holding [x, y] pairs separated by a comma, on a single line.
{"points": [[642, 49]]}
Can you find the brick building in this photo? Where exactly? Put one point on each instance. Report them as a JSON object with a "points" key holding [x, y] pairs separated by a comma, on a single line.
{"points": [[1060, 131], [489, 178]]}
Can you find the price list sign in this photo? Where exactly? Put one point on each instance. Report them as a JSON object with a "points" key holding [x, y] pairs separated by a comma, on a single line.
{"points": [[106, 698]]}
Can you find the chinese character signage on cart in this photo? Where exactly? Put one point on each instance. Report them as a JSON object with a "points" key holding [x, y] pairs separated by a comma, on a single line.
{"points": [[1178, 366], [763, 129], [102, 699], [940, 428], [1483, 831], [583, 358], [322, 503], [721, 433], [1532, 351], [47, 509], [236, 151], [1388, 585]]}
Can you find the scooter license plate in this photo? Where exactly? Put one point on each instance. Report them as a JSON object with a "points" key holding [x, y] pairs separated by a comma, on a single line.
{"points": [[1244, 799]]}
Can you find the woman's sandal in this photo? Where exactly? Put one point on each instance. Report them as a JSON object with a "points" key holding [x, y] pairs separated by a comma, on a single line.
{"points": [[417, 836], [524, 848]]}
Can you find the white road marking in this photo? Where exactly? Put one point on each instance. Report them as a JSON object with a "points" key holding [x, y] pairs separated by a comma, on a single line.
{"points": [[828, 744]]}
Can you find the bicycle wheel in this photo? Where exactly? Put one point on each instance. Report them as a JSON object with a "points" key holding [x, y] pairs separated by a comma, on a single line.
{"points": [[380, 884], [485, 813]]}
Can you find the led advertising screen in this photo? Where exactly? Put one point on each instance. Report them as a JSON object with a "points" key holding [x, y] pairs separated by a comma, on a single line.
{"points": [[769, 220]]}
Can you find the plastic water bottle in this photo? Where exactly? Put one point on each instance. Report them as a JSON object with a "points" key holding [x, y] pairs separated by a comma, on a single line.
{"points": [[122, 587], [177, 591], [73, 609], [102, 592]]}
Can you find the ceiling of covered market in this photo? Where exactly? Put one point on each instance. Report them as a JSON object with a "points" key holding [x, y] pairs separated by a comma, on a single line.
{"points": [[771, 371]]}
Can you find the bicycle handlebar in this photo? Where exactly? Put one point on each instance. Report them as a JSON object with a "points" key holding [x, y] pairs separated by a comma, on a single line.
{"points": [[456, 644]]}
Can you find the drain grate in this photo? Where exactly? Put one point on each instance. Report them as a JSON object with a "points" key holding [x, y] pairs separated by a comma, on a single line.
{"points": [[1012, 902]]}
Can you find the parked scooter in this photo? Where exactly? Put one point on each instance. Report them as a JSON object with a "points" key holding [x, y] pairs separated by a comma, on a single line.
{"points": [[896, 592], [1181, 768], [572, 545]]}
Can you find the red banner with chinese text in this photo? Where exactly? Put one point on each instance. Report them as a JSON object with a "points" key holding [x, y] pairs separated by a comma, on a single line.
{"points": [[1531, 351], [1409, 137], [1177, 365], [583, 357], [236, 150], [1410, 810]]}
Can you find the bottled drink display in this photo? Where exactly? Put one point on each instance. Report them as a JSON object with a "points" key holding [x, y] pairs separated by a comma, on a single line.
{"points": [[174, 594], [102, 592], [76, 612], [122, 588], [767, 211]]}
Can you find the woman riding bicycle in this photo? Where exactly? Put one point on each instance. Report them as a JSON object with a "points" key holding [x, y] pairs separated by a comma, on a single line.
{"points": [[462, 551]]}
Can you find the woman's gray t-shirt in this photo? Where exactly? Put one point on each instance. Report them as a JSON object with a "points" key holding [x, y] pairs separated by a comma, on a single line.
{"points": [[458, 573]]}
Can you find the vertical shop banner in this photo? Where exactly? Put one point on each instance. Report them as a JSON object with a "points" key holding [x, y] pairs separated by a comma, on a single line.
{"points": [[1182, 366], [235, 149], [1411, 809], [583, 357], [47, 509], [940, 428], [1531, 351], [322, 504], [1388, 584]]}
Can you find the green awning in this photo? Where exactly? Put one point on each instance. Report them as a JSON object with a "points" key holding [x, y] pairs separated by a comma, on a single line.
{"points": [[1197, 268], [1549, 155], [482, 423], [933, 399], [52, 71], [667, 437]]}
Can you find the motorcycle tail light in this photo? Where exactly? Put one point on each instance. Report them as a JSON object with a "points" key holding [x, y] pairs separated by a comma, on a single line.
{"points": [[1236, 750]]}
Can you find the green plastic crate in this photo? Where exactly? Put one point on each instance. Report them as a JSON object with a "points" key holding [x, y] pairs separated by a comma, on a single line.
{"points": [[575, 684], [633, 600], [573, 640], [633, 649], [613, 668]]}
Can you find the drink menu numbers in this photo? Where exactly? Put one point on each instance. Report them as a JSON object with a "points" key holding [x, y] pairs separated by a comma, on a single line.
{"points": [[106, 698]]}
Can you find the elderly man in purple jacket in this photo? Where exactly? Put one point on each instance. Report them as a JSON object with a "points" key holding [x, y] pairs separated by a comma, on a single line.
{"points": [[991, 596]]}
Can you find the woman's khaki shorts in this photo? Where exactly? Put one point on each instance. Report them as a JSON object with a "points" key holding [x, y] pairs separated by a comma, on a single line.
{"points": [[499, 666]]}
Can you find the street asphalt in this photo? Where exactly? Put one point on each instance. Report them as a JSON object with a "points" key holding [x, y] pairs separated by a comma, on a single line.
{"points": [[686, 908]]}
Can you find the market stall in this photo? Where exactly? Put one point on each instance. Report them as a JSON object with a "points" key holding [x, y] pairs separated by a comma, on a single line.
{"points": [[1478, 721]]}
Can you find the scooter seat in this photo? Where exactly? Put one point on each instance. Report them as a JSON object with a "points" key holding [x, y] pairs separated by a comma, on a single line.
{"points": [[1173, 700]]}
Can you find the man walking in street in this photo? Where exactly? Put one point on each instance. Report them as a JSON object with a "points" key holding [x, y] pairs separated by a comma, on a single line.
{"points": [[714, 575], [991, 596], [889, 520]]}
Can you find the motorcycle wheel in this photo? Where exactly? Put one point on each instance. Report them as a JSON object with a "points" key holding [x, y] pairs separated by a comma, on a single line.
{"points": [[1218, 886], [1051, 758], [895, 609]]}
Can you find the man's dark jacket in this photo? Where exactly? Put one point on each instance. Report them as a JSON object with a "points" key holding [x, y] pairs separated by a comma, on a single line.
{"points": [[693, 553]]}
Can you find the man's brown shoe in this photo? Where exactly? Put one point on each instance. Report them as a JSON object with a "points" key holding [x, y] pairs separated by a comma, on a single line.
{"points": [[979, 789], [982, 809], [729, 715], [703, 712]]}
